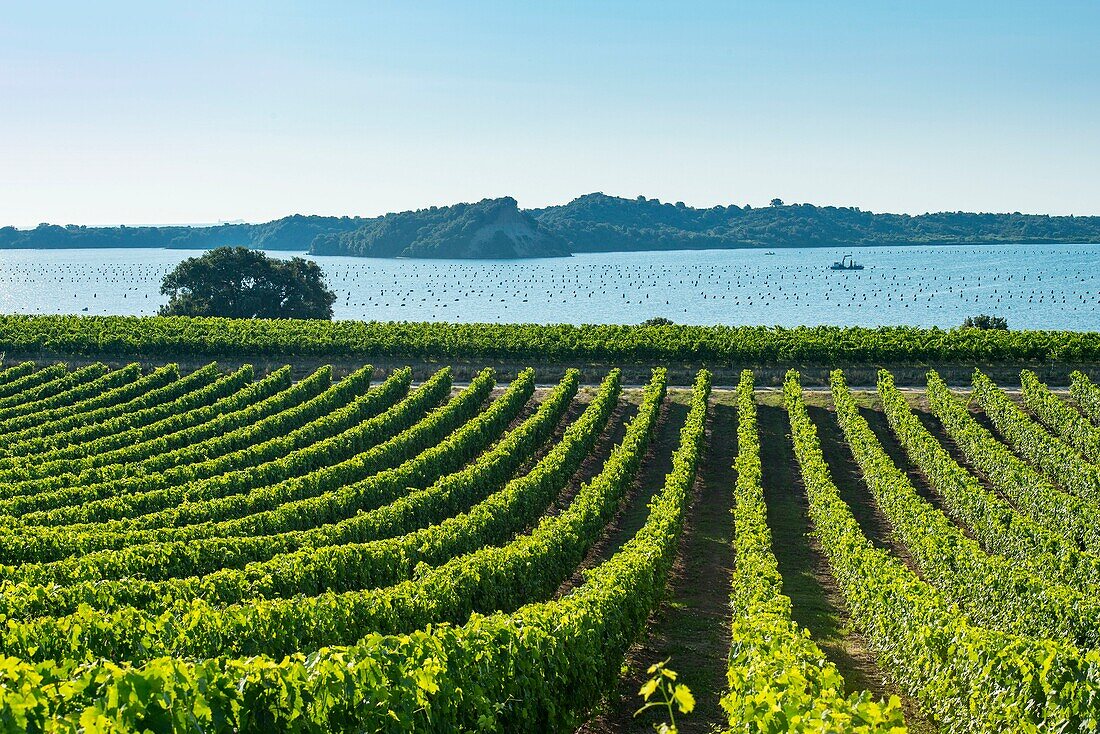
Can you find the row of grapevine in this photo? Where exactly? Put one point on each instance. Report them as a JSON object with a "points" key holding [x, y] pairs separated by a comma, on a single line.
{"points": [[323, 563], [1034, 443], [28, 379], [129, 383], [1086, 394], [779, 680], [342, 514], [970, 678], [120, 404], [119, 431], [1033, 494], [169, 337], [60, 390], [993, 521], [15, 372], [223, 407], [991, 589], [1073, 427], [521, 571]]}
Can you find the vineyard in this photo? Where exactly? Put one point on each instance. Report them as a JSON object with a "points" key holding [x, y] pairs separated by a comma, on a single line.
{"points": [[246, 551], [620, 344]]}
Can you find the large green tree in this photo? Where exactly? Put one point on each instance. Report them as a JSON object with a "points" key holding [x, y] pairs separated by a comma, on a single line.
{"points": [[240, 283]]}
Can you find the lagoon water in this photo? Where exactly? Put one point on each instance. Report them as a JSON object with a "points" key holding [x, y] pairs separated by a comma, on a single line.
{"points": [[1034, 286]]}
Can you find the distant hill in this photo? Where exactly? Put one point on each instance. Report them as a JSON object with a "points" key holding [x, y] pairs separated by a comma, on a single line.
{"points": [[53, 236], [297, 232], [491, 228], [601, 223], [289, 233], [498, 228]]}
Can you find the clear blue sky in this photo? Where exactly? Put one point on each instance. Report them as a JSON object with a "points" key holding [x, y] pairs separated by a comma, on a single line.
{"points": [[151, 112]]}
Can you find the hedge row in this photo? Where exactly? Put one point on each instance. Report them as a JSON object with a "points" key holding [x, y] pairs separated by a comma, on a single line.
{"points": [[169, 337]]}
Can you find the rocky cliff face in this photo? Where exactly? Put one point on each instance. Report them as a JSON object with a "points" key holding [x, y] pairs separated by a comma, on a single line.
{"points": [[491, 228]]}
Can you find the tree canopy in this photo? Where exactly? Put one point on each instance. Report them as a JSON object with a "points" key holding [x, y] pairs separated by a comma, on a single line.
{"points": [[985, 321], [236, 282]]}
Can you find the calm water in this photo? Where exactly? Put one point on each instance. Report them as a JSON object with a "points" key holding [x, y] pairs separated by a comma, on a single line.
{"points": [[1034, 286]]}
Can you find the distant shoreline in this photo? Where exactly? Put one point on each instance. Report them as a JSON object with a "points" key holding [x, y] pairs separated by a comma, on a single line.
{"points": [[640, 249], [500, 229]]}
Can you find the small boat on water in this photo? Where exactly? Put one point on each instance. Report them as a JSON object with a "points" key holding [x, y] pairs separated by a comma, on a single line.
{"points": [[846, 263]]}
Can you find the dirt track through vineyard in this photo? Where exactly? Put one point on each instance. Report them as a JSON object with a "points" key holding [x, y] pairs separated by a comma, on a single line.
{"points": [[691, 627]]}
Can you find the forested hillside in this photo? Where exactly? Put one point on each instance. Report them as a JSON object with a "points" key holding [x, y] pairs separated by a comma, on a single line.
{"points": [[289, 233], [492, 228], [498, 228], [601, 223]]}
